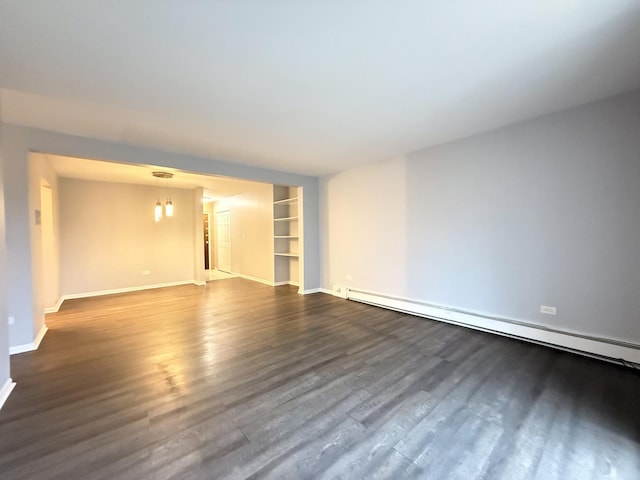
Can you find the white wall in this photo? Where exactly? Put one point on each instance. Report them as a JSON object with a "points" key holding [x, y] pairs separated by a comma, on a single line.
{"points": [[542, 212], [251, 231], [44, 271], [364, 225], [109, 236], [4, 330]]}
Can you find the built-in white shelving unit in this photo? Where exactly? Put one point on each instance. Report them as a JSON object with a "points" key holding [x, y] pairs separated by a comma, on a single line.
{"points": [[286, 201], [286, 235]]}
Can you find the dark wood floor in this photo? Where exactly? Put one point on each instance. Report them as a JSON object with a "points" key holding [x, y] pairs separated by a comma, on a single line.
{"points": [[239, 380]]}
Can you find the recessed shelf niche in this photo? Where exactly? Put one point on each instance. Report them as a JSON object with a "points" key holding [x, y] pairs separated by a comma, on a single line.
{"points": [[286, 235]]}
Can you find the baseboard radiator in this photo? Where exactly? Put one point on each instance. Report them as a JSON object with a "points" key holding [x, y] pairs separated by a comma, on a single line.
{"points": [[603, 348]]}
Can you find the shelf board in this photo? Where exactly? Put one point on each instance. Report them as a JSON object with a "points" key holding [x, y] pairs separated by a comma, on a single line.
{"points": [[285, 254], [286, 219], [286, 201], [285, 236]]}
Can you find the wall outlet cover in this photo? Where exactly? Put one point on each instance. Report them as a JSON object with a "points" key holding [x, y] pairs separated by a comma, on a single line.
{"points": [[547, 310]]}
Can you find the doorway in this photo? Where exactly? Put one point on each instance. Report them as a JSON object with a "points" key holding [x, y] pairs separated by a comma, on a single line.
{"points": [[223, 241], [207, 245]]}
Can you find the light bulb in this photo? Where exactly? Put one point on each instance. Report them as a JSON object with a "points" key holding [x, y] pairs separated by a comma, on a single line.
{"points": [[158, 211], [168, 208]]}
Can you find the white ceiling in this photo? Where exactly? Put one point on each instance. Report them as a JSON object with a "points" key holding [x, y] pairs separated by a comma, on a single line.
{"points": [[215, 187], [310, 86]]}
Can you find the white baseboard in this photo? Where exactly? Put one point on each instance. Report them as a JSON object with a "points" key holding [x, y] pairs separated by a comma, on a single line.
{"points": [[263, 281], [565, 340], [129, 289], [279, 284], [55, 307], [309, 291], [29, 347], [6, 390], [337, 291], [256, 279]]}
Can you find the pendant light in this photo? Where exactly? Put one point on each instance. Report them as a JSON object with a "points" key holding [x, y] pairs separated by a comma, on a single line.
{"points": [[158, 211], [168, 206]]}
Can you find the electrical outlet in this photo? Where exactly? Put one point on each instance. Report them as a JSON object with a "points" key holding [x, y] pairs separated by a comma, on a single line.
{"points": [[146, 272], [12, 320], [348, 277], [547, 310]]}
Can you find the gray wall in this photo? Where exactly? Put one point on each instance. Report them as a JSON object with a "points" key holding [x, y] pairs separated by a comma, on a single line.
{"points": [[542, 212], [18, 141], [18, 223]]}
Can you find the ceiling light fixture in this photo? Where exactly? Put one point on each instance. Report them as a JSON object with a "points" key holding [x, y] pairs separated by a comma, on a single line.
{"points": [[168, 206], [158, 211]]}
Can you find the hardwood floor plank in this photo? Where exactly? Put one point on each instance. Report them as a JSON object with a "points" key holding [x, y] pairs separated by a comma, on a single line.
{"points": [[381, 438], [315, 455], [282, 437]]}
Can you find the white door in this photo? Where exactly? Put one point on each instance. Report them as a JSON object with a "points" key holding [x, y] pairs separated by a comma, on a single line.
{"points": [[223, 241]]}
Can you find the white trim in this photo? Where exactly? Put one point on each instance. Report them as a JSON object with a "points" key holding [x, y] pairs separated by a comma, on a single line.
{"points": [[29, 347], [199, 283], [256, 279], [130, 289], [265, 282], [309, 291], [6, 390], [565, 340], [56, 307], [279, 284], [325, 290], [43, 331]]}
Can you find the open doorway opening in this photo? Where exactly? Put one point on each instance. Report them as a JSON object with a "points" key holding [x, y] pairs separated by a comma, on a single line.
{"points": [[207, 242], [237, 232]]}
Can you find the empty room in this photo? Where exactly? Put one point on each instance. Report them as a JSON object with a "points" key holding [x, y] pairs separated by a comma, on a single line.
{"points": [[319, 239]]}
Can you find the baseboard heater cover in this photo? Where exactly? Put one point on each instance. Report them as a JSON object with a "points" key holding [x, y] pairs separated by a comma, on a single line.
{"points": [[603, 348]]}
